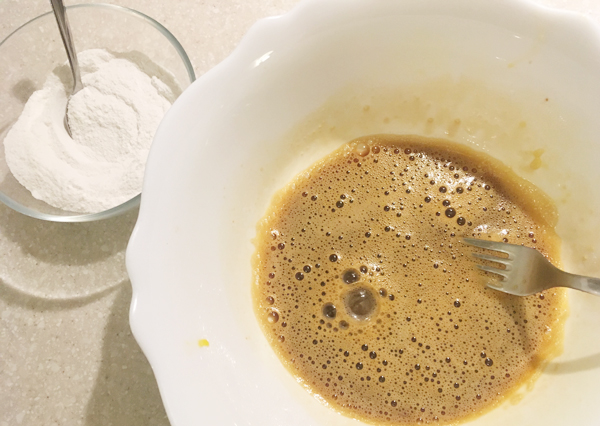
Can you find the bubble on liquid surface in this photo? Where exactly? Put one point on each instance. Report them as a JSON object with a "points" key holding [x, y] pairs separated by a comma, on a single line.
{"points": [[350, 276], [329, 310], [362, 149], [360, 303]]}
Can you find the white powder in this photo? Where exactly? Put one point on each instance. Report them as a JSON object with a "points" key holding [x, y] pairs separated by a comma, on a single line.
{"points": [[112, 119]]}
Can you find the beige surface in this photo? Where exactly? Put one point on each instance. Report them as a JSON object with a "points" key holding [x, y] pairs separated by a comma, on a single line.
{"points": [[67, 355]]}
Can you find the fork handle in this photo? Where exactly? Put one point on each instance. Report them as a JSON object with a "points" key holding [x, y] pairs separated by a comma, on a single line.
{"points": [[587, 284]]}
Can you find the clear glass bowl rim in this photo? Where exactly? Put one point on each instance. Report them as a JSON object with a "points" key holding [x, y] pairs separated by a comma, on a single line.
{"points": [[135, 201]]}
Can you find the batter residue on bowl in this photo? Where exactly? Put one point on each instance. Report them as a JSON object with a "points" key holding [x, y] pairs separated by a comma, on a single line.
{"points": [[367, 295]]}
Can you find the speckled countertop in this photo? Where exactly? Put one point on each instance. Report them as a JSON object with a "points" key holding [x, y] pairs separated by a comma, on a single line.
{"points": [[67, 355]]}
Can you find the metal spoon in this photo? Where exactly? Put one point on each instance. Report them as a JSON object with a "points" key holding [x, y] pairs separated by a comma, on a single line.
{"points": [[60, 14]]}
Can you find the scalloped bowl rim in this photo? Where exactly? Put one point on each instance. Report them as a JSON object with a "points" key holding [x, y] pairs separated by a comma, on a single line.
{"points": [[203, 393]]}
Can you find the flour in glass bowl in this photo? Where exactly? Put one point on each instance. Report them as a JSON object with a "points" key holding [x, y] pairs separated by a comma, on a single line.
{"points": [[112, 119]]}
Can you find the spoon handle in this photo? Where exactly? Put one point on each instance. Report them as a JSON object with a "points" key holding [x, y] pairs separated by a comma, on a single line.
{"points": [[65, 32]]}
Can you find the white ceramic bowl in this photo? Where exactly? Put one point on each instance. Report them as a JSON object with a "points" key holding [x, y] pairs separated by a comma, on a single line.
{"points": [[523, 80]]}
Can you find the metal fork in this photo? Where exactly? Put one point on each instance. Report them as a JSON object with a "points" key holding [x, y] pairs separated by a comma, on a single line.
{"points": [[526, 271]]}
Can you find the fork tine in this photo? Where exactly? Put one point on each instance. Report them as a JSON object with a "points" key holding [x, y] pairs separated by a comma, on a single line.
{"points": [[478, 243], [488, 245], [492, 270], [496, 287], [496, 259]]}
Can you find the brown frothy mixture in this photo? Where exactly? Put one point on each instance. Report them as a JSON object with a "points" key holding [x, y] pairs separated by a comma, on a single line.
{"points": [[368, 296]]}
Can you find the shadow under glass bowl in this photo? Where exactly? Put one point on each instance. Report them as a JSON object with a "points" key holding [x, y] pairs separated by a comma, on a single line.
{"points": [[32, 51]]}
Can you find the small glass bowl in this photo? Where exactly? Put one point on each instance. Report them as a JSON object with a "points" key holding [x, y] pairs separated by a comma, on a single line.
{"points": [[32, 51]]}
